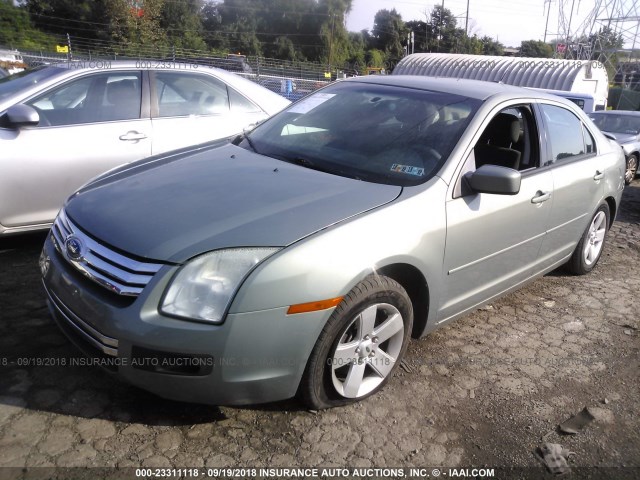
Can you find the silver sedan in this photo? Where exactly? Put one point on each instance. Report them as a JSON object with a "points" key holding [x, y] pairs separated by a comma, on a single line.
{"points": [[303, 256], [62, 125], [624, 126]]}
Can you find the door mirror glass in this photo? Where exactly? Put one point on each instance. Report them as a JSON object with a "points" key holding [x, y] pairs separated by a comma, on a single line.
{"points": [[495, 179], [22, 116]]}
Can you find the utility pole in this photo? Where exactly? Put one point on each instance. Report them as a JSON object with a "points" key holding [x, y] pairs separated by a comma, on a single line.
{"points": [[441, 25], [569, 28], [331, 42], [69, 54], [546, 26], [466, 21]]}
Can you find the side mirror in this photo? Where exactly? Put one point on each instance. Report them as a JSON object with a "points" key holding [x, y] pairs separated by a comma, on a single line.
{"points": [[609, 136], [22, 116], [495, 179]]}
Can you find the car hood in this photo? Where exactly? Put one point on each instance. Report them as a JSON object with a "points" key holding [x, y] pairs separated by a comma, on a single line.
{"points": [[175, 207], [623, 138]]}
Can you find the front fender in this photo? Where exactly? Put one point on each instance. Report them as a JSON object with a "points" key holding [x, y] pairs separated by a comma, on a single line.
{"points": [[411, 230]]}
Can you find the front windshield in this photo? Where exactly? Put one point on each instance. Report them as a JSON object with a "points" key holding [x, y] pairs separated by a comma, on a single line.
{"points": [[377, 133], [26, 79], [628, 124]]}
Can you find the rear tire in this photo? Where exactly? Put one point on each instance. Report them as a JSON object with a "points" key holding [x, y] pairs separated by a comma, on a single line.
{"points": [[361, 345], [589, 248], [632, 169]]}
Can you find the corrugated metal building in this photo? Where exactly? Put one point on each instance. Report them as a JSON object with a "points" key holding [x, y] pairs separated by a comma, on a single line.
{"points": [[580, 76]]}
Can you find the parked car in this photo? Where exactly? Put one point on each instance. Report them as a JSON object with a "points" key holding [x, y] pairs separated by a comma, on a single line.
{"points": [[303, 255], [3, 73], [12, 61], [586, 101], [62, 125], [624, 126]]}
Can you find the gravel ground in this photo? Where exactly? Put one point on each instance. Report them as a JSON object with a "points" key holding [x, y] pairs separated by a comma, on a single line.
{"points": [[483, 391]]}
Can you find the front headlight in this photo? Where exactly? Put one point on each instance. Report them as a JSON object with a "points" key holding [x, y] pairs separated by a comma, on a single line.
{"points": [[204, 287]]}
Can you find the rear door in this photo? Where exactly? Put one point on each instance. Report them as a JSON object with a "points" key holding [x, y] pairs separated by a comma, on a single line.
{"points": [[189, 108], [578, 181], [87, 125]]}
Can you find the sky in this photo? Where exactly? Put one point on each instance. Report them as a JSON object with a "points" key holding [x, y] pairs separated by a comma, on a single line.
{"points": [[510, 21]]}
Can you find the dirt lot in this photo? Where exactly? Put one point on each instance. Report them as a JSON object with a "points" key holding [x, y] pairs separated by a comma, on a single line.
{"points": [[483, 391]]}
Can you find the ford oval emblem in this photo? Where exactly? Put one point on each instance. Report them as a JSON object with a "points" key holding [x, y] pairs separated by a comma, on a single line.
{"points": [[74, 247]]}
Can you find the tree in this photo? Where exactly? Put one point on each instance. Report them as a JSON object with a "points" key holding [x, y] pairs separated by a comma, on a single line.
{"points": [[536, 48], [419, 29], [444, 34], [79, 18], [389, 34], [333, 31], [375, 58], [182, 20], [491, 46], [16, 30], [471, 45]]}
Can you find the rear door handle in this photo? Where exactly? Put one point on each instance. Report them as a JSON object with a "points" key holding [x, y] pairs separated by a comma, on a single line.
{"points": [[132, 136], [598, 176], [541, 197]]}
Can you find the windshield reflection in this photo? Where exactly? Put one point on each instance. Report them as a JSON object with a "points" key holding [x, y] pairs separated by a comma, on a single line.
{"points": [[376, 133]]}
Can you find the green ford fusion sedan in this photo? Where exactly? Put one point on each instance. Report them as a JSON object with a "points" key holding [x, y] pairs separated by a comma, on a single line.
{"points": [[301, 257]]}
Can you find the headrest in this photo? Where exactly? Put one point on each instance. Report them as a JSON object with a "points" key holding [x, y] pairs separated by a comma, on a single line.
{"points": [[504, 128]]}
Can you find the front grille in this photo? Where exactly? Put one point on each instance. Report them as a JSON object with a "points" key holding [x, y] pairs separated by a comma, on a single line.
{"points": [[112, 270], [78, 329]]}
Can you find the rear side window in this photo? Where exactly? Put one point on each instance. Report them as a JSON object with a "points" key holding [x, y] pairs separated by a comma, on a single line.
{"points": [[240, 104], [564, 131], [184, 94]]}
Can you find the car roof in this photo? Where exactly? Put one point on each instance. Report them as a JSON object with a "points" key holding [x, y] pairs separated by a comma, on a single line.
{"points": [[629, 113], [269, 101], [469, 88]]}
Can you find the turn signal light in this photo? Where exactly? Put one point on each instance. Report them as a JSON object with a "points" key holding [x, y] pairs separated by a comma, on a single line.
{"points": [[313, 306]]}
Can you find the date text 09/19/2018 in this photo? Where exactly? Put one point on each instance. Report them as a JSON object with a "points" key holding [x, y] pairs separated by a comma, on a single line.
{"points": [[313, 472]]}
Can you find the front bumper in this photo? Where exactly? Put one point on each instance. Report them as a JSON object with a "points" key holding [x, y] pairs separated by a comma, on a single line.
{"points": [[253, 357]]}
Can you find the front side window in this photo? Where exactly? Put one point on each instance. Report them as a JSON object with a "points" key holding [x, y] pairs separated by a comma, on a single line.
{"points": [[510, 140], [183, 94], [102, 97], [564, 131], [383, 134]]}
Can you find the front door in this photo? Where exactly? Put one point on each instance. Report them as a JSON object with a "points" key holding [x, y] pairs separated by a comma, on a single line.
{"points": [[493, 240], [87, 126]]}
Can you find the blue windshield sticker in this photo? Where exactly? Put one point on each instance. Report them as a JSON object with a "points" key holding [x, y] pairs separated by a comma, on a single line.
{"points": [[408, 169]]}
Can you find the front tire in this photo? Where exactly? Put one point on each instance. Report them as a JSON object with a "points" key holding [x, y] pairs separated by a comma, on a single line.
{"points": [[360, 346], [632, 169], [589, 248]]}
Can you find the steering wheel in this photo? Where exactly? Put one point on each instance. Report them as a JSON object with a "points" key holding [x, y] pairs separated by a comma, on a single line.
{"points": [[428, 154]]}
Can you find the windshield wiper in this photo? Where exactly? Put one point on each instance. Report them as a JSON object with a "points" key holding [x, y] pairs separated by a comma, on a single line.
{"points": [[306, 163], [243, 136]]}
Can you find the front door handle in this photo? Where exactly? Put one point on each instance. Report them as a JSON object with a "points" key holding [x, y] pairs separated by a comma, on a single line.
{"points": [[598, 176], [132, 136], [541, 197]]}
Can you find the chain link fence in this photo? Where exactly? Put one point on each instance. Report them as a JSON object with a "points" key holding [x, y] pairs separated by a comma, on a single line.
{"points": [[290, 79]]}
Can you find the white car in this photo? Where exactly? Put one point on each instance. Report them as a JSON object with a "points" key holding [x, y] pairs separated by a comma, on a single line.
{"points": [[62, 125]]}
